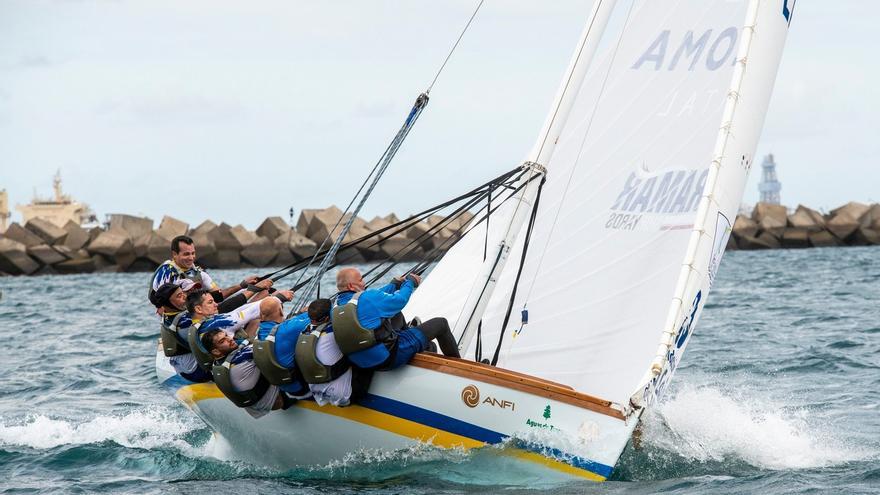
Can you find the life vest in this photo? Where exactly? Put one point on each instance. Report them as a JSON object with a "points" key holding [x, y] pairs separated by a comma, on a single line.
{"points": [[264, 357], [306, 358], [224, 382], [203, 357], [350, 335], [172, 344]]}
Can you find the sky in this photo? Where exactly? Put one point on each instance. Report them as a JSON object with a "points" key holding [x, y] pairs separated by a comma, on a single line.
{"points": [[234, 111]]}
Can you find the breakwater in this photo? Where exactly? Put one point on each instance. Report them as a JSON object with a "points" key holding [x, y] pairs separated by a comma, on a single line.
{"points": [[131, 244], [773, 227]]}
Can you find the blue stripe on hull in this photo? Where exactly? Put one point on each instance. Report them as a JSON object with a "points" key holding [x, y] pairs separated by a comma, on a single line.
{"points": [[452, 425], [449, 424]]}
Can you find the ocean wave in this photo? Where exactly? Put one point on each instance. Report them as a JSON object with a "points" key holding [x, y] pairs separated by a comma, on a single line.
{"points": [[145, 428], [707, 424]]}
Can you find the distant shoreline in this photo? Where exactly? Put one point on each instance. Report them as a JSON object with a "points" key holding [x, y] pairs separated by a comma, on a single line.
{"points": [[131, 244]]}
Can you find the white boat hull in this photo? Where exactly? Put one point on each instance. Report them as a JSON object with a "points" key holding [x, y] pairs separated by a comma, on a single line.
{"points": [[415, 405]]}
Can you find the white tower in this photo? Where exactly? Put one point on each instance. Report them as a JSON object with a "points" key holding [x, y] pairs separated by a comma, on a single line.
{"points": [[769, 186]]}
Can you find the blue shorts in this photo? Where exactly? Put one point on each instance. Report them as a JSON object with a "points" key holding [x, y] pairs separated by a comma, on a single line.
{"points": [[410, 341]]}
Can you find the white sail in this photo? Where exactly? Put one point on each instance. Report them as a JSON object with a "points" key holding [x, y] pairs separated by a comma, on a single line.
{"points": [[461, 285], [624, 192]]}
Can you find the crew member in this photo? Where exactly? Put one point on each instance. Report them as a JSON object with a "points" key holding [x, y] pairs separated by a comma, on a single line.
{"points": [[238, 377], [370, 329], [331, 377], [171, 298], [182, 266], [286, 333]]}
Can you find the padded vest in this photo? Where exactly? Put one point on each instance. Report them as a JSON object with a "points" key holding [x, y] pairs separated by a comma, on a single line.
{"points": [[172, 344], [306, 356], [203, 357], [350, 335], [224, 383], [264, 357]]}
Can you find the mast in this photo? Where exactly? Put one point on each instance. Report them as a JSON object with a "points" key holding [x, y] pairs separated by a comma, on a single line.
{"points": [[536, 162]]}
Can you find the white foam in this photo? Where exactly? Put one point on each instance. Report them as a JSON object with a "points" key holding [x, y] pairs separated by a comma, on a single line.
{"points": [[148, 428], [704, 423]]}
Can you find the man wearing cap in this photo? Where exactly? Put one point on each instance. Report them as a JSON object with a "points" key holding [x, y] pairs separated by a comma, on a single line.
{"points": [[171, 298], [182, 266]]}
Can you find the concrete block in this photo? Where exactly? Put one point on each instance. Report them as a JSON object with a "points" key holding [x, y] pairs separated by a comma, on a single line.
{"points": [[272, 228], [132, 226], [77, 237], [305, 220], [244, 236], [744, 227], [20, 234], [260, 252], [865, 237], [203, 228], [853, 209], [842, 224], [731, 244], [46, 230], [796, 238], [153, 247], [45, 270], [298, 245], [45, 254], [770, 239], [770, 218], [204, 247], [284, 256], [221, 258], [749, 243], [223, 239], [391, 248], [871, 219], [14, 258], [104, 265], [171, 227], [115, 245], [324, 221], [94, 232], [76, 265], [823, 238], [807, 219], [141, 265]]}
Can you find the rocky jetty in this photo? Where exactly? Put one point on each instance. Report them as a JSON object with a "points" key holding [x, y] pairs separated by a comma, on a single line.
{"points": [[131, 243], [772, 227]]}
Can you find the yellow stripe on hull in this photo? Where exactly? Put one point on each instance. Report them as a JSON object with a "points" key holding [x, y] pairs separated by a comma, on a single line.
{"points": [[191, 394]]}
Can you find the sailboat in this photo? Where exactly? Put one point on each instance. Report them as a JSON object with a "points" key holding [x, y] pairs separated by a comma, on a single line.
{"points": [[583, 290]]}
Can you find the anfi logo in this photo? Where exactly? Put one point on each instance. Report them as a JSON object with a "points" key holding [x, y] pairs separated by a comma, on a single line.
{"points": [[470, 395]]}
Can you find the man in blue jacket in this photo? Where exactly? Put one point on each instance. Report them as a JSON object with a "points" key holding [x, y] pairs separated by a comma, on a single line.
{"points": [[389, 343], [271, 316]]}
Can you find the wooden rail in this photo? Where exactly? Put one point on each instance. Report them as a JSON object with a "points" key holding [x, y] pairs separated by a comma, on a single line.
{"points": [[517, 381]]}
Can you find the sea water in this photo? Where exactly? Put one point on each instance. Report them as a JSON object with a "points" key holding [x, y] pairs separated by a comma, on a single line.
{"points": [[779, 392]]}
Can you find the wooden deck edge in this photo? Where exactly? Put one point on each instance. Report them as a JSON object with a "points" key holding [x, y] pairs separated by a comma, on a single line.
{"points": [[515, 380]]}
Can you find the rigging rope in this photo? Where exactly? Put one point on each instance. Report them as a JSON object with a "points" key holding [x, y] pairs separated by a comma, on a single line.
{"points": [[419, 105], [522, 263], [460, 36]]}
